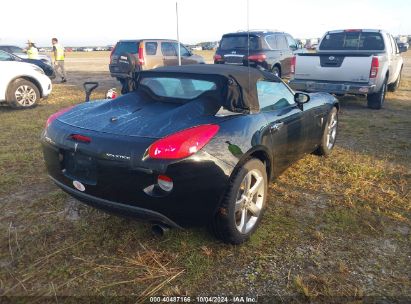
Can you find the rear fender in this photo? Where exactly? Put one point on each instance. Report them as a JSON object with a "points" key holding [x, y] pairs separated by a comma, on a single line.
{"points": [[260, 152]]}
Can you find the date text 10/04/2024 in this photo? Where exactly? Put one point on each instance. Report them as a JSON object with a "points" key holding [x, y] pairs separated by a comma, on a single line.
{"points": [[204, 299]]}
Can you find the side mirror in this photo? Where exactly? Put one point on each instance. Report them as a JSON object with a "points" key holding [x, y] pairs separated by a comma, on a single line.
{"points": [[402, 48], [89, 87], [301, 98]]}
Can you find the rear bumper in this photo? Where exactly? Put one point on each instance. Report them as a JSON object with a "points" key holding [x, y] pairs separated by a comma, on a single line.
{"points": [[118, 208], [125, 185], [115, 72], [333, 87]]}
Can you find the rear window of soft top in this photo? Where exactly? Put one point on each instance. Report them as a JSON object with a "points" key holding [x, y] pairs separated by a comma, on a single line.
{"points": [[174, 87]]}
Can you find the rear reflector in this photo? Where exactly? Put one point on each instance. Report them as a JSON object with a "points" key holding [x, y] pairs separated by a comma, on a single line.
{"points": [[374, 67], [257, 57], [165, 183], [56, 115], [184, 143], [79, 137]]}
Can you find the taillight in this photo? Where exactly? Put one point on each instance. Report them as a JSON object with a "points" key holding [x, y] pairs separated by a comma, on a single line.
{"points": [[218, 58], [141, 53], [79, 137], [183, 143], [257, 57], [112, 51], [293, 62], [374, 67], [353, 30], [56, 115]]}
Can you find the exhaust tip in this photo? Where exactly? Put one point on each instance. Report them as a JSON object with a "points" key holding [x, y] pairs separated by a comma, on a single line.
{"points": [[159, 229]]}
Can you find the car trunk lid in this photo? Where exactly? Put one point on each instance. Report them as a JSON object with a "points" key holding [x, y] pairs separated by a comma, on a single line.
{"points": [[133, 115]]}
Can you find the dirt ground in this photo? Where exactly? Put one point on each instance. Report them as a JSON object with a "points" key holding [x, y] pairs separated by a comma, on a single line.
{"points": [[336, 229]]}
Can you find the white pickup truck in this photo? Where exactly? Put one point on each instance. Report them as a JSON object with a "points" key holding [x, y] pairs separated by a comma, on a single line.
{"points": [[360, 62]]}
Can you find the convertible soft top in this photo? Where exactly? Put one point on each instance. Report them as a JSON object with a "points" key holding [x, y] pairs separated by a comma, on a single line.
{"points": [[237, 83]]}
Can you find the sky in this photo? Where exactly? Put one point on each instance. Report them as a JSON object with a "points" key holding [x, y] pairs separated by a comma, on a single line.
{"points": [[93, 23]]}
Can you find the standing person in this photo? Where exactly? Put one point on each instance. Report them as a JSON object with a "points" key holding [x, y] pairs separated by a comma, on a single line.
{"points": [[58, 51], [32, 51]]}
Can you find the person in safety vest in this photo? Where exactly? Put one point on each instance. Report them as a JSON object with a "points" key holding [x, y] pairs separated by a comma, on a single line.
{"points": [[58, 52], [32, 51]]}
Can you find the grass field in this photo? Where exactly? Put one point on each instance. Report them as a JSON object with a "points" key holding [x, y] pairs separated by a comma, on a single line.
{"points": [[337, 226]]}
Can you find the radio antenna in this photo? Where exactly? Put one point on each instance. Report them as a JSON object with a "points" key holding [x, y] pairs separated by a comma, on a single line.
{"points": [[248, 42], [178, 38]]}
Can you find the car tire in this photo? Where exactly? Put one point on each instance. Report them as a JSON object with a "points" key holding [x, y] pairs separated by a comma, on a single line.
{"points": [[22, 94], [276, 71], [329, 135], [376, 100], [392, 87], [241, 211]]}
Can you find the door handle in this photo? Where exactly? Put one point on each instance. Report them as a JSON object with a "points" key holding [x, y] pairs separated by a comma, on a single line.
{"points": [[277, 126]]}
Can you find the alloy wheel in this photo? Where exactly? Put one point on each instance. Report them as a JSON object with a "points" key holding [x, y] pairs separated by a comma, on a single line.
{"points": [[249, 202], [25, 96], [332, 130]]}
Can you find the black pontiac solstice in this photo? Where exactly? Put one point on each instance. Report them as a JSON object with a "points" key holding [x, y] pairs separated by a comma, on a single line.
{"points": [[190, 145]]}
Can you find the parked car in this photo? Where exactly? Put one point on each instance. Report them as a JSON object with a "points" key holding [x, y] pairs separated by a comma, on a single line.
{"points": [[403, 46], [360, 62], [22, 84], [192, 145], [312, 44], [149, 54], [269, 49], [18, 51], [48, 69]]}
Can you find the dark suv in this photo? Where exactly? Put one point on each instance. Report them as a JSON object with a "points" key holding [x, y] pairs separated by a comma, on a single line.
{"points": [[269, 49]]}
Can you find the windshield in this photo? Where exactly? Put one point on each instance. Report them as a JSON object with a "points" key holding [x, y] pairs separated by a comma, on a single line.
{"points": [[183, 88], [363, 41], [238, 42], [5, 56]]}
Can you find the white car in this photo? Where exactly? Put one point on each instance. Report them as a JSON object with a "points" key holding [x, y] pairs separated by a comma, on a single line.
{"points": [[22, 84]]}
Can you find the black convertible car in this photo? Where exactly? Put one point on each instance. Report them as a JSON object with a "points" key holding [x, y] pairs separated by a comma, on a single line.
{"points": [[190, 145]]}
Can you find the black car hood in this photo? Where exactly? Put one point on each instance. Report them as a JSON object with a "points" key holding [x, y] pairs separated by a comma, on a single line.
{"points": [[136, 115]]}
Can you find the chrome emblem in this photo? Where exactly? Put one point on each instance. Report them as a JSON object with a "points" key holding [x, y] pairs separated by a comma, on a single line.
{"points": [[331, 57], [233, 52]]}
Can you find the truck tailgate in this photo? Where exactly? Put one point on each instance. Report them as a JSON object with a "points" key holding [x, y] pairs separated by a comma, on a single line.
{"points": [[333, 67]]}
